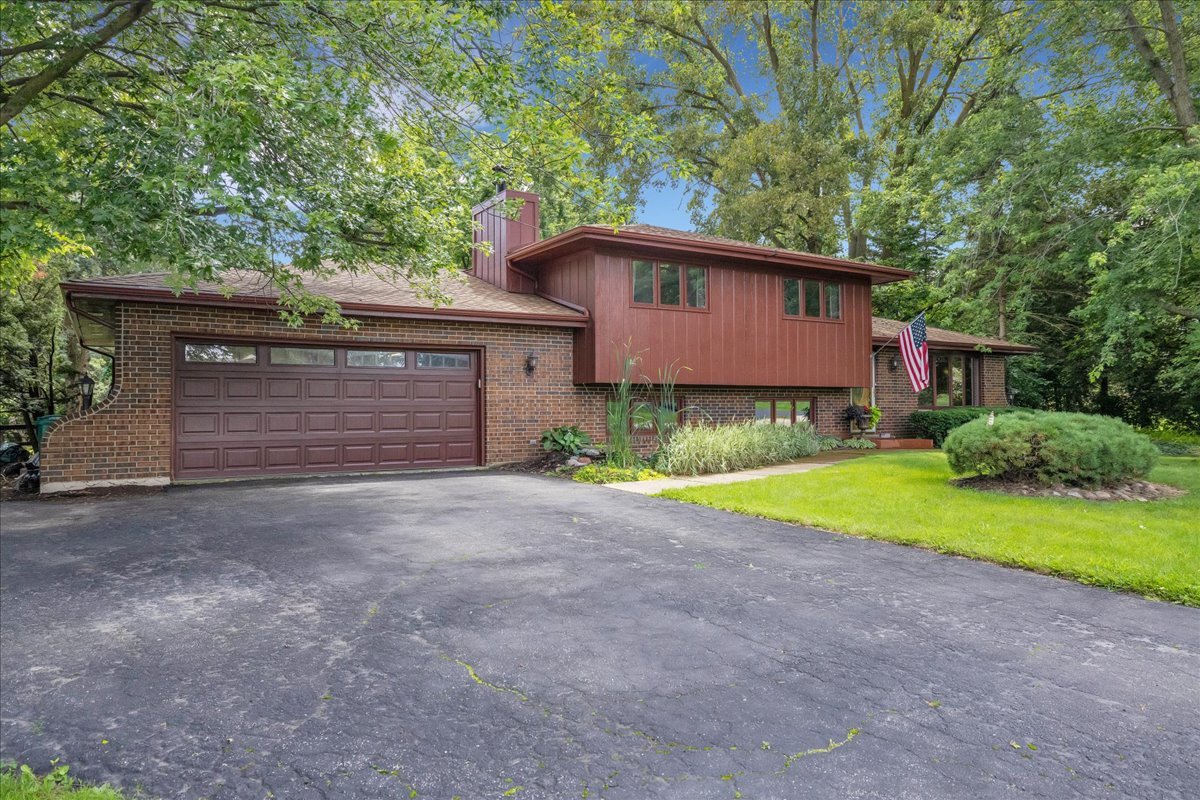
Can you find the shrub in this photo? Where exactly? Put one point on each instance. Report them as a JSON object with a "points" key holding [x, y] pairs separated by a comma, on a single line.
{"points": [[601, 473], [857, 444], [1050, 448], [566, 439], [698, 449], [829, 442], [937, 424]]}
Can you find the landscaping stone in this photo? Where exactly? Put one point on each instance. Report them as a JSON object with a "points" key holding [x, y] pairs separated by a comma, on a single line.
{"points": [[1130, 491]]}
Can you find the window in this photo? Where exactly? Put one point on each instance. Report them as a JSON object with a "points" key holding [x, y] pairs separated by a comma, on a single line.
{"points": [[782, 412], [697, 287], [791, 297], [443, 361], [220, 353], [375, 358], [643, 282], [668, 284], [302, 356], [672, 285], [953, 378], [812, 298], [816, 299], [833, 301]]}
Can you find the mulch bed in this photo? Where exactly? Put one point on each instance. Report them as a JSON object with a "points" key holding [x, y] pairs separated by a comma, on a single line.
{"points": [[8, 494], [1139, 491], [544, 463]]}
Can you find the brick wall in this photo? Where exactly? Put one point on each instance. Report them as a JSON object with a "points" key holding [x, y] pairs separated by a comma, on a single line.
{"points": [[127, 438], [736, 404], [894, 394]]}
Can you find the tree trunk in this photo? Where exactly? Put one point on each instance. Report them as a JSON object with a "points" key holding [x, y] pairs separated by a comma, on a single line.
{"points": [[50, 373], [1003, 313], [1181, 96]]}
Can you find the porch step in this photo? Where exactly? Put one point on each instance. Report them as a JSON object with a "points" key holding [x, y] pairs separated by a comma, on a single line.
{"points": [[902, 444]]}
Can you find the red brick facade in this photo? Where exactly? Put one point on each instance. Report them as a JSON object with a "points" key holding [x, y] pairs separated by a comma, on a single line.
{"points": [[127, 438], [894, 394]]}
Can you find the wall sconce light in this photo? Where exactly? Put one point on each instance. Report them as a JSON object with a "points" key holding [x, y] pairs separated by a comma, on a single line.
{"points": [[86, 385], [894, 364], [531, 362]]}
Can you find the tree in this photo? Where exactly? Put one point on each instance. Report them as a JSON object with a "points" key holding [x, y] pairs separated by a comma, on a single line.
{"points": [[291, 139]]}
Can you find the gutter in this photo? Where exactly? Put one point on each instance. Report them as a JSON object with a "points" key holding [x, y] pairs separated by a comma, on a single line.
{"points": [[139, 294]]}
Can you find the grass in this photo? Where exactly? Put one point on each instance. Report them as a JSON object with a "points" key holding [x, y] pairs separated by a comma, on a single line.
{"points": [[20, 783], [1150, 548]]}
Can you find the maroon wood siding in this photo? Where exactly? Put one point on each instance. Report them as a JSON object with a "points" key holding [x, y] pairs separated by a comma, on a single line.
{"points": [[741, 339], [505, 235], [572, 277]]}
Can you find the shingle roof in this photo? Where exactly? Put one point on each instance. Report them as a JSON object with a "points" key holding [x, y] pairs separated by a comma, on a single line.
{"points": [[883, 329], [654, 236], [353, 291]]}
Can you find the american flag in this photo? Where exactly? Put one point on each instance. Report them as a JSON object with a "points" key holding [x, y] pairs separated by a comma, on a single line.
{"points": [[915, 351]]}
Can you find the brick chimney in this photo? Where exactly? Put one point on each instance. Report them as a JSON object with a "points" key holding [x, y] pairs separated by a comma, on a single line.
{"points": [[506, 235]]}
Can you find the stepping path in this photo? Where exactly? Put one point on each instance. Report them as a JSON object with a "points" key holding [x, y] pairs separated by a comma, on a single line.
{"points": [[680, 481]]}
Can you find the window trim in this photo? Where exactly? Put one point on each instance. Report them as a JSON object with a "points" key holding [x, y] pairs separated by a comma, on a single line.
{"points": [[219, 343], [793, 399], [683, 266], [801, 315], [976, 385]]}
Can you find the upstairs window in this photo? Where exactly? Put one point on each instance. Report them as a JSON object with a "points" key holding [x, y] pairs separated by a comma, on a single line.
{"points": [[812, 298], [669, 285]]}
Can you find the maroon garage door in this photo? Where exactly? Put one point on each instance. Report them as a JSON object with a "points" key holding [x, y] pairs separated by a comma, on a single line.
{"points": [[252, 409]]}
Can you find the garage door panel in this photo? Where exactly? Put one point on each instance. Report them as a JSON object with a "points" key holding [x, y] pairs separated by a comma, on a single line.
{"points": [[460, 390], [355, 421], [244, 418], [193, 459], [283, 388], [460, 420], [243, 422], [321, 389], [198, 389], [393, 421], [283, 422], [285, 456], [321, 421], [395, 390], [243, 458], [428, 390], [242, 388], [358, 390], [198, 423]]}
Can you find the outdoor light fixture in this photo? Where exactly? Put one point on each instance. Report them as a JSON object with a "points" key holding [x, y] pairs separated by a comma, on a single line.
{"points": [[531, 362], [86, 385], [894, 364]]}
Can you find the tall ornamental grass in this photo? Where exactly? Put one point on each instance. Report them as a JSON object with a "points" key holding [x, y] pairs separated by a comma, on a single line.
{"points": [[699, 449]]}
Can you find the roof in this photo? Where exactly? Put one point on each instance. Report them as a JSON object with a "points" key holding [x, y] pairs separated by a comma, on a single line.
{"points": [[369, 294], [884, 330], [653, 237]]}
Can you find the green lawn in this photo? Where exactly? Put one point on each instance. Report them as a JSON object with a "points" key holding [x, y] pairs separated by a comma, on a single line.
{"points": [[1150, 548], [20, 783]]}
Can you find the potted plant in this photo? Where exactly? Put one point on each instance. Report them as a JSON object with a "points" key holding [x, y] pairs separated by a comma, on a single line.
{"points": [[864, 417]]}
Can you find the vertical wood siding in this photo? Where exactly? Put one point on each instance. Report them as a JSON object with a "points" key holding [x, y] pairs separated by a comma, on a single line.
{"points": [[743, 338]]}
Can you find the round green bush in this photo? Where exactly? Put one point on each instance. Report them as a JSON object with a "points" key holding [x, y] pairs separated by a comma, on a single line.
{"points": [[1051, 448]]}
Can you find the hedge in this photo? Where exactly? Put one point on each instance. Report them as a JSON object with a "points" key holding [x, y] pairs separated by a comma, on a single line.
{"points": [[937, 425], [1051, 448]]}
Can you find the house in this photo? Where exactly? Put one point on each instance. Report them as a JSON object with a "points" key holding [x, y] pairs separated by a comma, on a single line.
{"points": [[211, 383]]}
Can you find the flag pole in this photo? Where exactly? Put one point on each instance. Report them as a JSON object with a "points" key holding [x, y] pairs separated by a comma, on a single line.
{"points": [[879, 349]]}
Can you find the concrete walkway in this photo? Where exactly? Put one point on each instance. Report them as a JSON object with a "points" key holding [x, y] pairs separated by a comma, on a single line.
{"points": [[680, 481]]}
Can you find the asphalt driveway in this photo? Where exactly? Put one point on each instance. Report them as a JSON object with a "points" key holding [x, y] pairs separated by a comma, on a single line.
{"points": [[492, 635]]}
